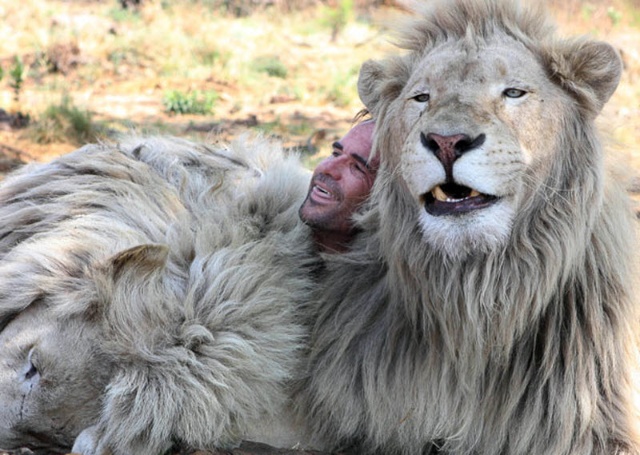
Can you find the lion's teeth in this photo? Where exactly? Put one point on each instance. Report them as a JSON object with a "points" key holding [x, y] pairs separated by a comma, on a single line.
{"points": [[439, 195]]}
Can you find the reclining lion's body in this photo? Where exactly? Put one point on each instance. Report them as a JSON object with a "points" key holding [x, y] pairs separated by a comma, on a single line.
{"points": [[488, 307], [148, 296]]}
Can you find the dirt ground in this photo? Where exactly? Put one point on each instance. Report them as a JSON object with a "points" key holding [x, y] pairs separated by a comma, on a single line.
{"points": [[129, 96]]}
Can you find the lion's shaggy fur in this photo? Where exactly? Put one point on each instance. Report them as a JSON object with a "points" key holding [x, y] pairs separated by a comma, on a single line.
{"points": [[521, 344], [179, 268]]}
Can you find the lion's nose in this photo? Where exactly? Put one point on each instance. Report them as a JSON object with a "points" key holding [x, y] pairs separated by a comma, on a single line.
{"points": [[449, 148]]}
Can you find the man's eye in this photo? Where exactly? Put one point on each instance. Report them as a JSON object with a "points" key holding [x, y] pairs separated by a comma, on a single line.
{"points": [[359, 168]]}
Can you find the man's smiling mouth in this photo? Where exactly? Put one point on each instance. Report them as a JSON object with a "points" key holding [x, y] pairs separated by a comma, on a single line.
{"points": [[324, 189]]}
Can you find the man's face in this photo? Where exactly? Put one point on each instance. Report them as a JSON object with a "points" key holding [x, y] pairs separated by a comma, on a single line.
{"points": [[341, 182]]}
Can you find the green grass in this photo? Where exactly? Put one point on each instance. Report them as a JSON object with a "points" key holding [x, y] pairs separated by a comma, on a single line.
{"points": [[340, 92], [124, 15], [278, 127], [271, 65], [64, 122], [337, 17], [195, 102]]}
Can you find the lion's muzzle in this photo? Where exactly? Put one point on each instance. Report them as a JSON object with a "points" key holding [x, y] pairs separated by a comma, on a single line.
{"points": [[451, 198]]}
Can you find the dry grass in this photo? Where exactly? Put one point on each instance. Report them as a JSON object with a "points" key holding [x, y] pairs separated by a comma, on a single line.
{"points": [[125, 63], [280, 73]]}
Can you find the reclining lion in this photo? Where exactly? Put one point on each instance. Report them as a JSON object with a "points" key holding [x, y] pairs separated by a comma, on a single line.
{"points": [[149, 293], [488, 306]]}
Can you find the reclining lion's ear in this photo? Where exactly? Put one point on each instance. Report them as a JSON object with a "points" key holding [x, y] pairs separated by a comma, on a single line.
{"points": [[589, 70], [130, 293], [117, 279], [140, 260], [381, 81], [128, 268]]}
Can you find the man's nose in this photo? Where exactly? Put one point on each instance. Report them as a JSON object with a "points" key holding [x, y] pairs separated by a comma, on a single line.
{"points": [[334, 167]]}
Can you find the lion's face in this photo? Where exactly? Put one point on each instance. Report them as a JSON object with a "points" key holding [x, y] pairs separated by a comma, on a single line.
{"points": [[53, 364], [50, 380], [472, 133], [476, 132]]}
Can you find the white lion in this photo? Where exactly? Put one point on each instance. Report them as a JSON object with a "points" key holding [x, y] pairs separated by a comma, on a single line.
{"points": [[488, 306], [149, 295]]}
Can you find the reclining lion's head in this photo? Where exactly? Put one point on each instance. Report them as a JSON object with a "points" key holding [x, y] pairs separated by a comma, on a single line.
{"points": [[483, 114], [54, 324], [51, 379]]}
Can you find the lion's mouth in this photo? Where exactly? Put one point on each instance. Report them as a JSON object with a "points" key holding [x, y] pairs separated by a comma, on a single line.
{"points": [[453, 199]]}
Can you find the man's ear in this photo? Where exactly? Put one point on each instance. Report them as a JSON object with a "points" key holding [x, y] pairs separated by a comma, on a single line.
{"points": [[589, 70], [380, 82]]}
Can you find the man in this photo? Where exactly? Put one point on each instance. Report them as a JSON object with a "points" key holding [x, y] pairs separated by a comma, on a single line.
{"points": [[339, 186]]}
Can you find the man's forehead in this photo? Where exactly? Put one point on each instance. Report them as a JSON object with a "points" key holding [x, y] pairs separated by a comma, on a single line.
{"points": [[360, 154], [360, 136], [363, 131]]}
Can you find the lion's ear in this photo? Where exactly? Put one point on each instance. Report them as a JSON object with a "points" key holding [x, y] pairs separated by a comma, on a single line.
{"points": [[591, 70], [371, 73], [129, 270], [120, 280], [138, 305], [140, 260], [381, 82]]}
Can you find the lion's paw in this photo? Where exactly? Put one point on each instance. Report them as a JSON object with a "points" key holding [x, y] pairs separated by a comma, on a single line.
{"points": [[88, 443]]}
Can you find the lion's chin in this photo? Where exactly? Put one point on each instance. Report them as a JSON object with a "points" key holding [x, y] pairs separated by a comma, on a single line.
{"points": [[453, 199]]}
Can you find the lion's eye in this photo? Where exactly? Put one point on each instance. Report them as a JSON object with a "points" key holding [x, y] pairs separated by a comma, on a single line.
{"points": [[514, 93], [421, 98], [31, 371]]}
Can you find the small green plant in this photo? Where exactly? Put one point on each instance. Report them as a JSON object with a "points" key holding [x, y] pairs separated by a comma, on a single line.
{"points": [[614, 15], [634, 13], [271, 65], [63, 122], [278, 127], [194, 102], [271, 128], [341, 90], [124, 14], [338, 17], [301, 128], [588, 10], [210, 57], [17, 73]]}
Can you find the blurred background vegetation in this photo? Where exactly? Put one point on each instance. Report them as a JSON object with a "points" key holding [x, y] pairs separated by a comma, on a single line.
{"points": [[74, 71]]}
